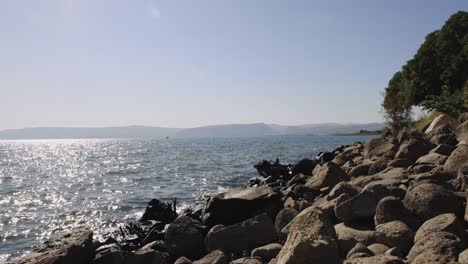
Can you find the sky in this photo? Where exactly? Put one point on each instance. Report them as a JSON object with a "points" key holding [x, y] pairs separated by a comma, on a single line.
{"points": [[187, 63]]}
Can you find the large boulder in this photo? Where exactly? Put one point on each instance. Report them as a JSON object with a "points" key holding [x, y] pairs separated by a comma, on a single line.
{"points": [[304, 166], [378, 165], [457, 160], [249, 234], [327, 175], [246, 260], [363, 205], [441, 120], [184, 237], [378, 147], [432, 158], [108, 254], [311, 239], [359, 170], [72, 247], [427, 200], [398, 234], [443, 149], [443, 222], [348, 154], [215, 257], [240, 204], [284, 217], [349, 235], [443, 135], [391, 209], [159, 211], [381, 259], [436, 247], [413, 149]]}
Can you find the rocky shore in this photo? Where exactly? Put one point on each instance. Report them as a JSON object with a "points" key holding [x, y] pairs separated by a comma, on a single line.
{"points": [[399, 198]]}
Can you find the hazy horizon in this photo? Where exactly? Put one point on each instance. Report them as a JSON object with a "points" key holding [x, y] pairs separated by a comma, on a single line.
{"points": [[186, 64]]}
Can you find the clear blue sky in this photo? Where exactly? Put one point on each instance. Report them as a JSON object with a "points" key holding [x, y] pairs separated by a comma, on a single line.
{"points": [[190, 63]]}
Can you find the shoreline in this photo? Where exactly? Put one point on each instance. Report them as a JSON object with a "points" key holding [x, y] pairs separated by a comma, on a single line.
{"points": [[368, 202]]}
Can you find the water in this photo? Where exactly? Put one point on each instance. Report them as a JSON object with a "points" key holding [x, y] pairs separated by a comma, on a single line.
{"points": [[51, 185]]}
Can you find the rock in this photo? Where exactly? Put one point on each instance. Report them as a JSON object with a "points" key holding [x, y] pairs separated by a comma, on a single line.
{"points": [[457, 160], [246, 261], [157, 245], [347, 155], [399, 163], [267, 252], [378, 249], [398, 234], [432, 158], [343, 187], [413, 149], [427, 200], [443, 149], [275, 169], [349, 235], [359, 250], [436, 175], [443, 135], [390, 209], [147, 256], [363, 205], [305, 192], [378, 166], [159, 211], [441, 120], [422, 168], [183, 260], [435, 244], [433, 258], [215, 257], [240, 204], [444, 222], [359, 170], [327, 175], [394, 251], [284, 217], [381, 259], [304, 166], [248, 234], [184, 237], [378, 147], [73, 247], [463, 257], [325, 157], [299, 204], [311, 239], [108, 254]]}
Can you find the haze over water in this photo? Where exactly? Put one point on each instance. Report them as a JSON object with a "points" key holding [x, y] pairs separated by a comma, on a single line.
{"points": [[50, 185]]}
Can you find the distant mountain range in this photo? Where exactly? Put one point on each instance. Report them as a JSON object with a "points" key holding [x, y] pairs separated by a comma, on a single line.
{"points": [[215, 131]]}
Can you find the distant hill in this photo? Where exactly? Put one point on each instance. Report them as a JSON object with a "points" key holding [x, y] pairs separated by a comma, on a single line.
{"points": [[214, 131]]}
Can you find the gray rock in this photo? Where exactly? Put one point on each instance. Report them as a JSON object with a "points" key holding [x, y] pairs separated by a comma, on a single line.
{"points": [[427, 200], [359, 250], [413, 149], [378, 147], [284, 217], [435, 245], [248, 234], [183, 260], [391, 209], [246, 260], [147, 256], [240, 204], [184, 238], [443, 149], [432, 158], [108, 254], [457, 160], [349, 235], [378, 249], [398, 234], [444, 222], [327, 175]]}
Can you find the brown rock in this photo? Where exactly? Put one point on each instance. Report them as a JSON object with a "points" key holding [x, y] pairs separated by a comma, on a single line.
{"points": [[184, 238], [398, 234], [327, 175], [147, 256], [378, 147], [457, 160], [267, 252], [215, 257]]}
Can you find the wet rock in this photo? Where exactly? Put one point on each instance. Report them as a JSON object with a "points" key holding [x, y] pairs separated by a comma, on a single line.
{"points": [[363, 205], [267, 252], [248, 234], [428, 200], [327, 175], [240, 204], [215, 257], [74, 247], [391, 209], [413, 149], [108, 254], [378, 249], [444, 222], [437, 245], [304, 166], [457, 160], [284, 217], [147, 256], [398, 234], [378, 147], [274, 169], [159, 211], [246, 261], [184, 237], [311, 239], [183, 260]]}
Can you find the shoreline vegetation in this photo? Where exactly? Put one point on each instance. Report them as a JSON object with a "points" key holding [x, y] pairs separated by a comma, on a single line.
{"points": [[397, 198]]}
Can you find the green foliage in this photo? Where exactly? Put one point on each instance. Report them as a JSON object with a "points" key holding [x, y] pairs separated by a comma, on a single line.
{"points": [[435, 77]]}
